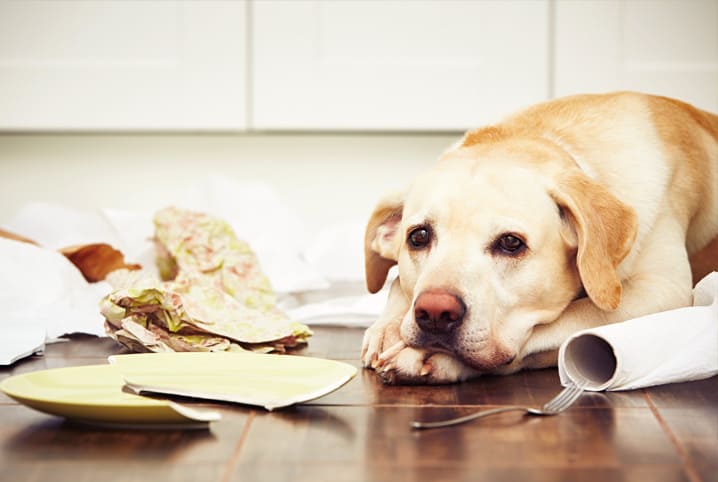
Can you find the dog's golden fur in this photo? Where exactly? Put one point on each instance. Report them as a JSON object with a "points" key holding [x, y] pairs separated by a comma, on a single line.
{"points": [[614, 198]]}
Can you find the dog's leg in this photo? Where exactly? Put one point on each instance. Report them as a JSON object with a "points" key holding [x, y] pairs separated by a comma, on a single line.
{"points": [[384, 333]]}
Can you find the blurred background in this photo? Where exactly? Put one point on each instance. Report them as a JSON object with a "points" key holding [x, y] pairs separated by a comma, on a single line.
{"points": [[124, 104]]}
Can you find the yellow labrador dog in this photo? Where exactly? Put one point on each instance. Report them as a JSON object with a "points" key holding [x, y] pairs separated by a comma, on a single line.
{"points": [[575, 213]]}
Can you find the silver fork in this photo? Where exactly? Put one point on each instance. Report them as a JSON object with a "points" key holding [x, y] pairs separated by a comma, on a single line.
{"points": [[556, 405]]}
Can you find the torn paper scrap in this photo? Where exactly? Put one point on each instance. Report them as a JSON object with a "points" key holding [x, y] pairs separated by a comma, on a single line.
{"points": [[196, 248], [214, 296], [154, 316]]}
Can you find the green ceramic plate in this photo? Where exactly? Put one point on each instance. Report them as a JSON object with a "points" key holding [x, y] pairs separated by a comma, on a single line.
{"points": [[95, 394], [269, 381]]}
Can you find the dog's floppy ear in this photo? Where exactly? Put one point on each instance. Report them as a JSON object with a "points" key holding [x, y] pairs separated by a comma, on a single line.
{"points": [[605, 228], [381, 245]]}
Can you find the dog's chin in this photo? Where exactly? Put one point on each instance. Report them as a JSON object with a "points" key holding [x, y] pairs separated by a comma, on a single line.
{"points": [[486, 365], [487, 357]]}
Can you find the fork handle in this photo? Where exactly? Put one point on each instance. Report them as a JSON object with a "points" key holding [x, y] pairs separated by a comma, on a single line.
{"points": [[466, 418]]}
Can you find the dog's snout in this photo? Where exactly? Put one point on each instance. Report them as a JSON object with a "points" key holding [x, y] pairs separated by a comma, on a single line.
{"points": [[438, 311]]}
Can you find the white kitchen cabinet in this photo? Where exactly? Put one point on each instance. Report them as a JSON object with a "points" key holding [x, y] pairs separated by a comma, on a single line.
{"points": [[74, 65], [666, 47], [398, 65]]}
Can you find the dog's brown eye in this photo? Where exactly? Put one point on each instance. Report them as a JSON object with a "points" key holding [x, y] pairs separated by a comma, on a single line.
{"points": [[510, 244], [419, 237]]}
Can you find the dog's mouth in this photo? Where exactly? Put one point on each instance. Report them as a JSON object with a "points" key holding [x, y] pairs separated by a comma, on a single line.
{"points": [[487, 362], [485, 359], [440, 347], [484, 356], [433, 343]]}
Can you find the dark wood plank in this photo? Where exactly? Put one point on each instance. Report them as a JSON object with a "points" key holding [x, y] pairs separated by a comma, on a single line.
{"points": [[368, 443], [690, 414], [361, 432], [529, 388], [696, 437], [354, 472], [697, 394], [36, 446]]}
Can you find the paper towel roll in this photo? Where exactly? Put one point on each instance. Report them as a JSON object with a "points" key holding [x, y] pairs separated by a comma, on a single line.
{"points": [[667, 347]]}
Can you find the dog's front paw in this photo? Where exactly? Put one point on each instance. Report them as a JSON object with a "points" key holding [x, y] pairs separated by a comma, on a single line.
{"points": [[413, 366], [379, 338]]}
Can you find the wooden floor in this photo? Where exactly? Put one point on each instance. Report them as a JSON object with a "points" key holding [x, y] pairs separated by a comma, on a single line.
{"points": [[361, 433]]}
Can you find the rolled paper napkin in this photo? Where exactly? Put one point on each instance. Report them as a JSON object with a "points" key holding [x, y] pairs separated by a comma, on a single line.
{"points": [[667, 347]]}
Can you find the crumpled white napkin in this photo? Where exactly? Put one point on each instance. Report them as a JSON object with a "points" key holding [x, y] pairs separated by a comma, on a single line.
{"points": [[337, 252], [667, 347], [20, 341], [358, 311], [41, 288]]}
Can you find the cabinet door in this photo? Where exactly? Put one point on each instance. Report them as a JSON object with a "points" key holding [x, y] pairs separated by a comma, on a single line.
{"points": [[67, 65], [666, 47], [396, 64]]}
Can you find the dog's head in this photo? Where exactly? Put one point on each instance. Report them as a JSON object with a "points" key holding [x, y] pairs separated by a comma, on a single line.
{"points": [[494, 241]]}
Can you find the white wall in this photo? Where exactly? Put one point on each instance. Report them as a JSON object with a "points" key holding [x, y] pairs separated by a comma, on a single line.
{"points": [[390, 65], [325, 178]]}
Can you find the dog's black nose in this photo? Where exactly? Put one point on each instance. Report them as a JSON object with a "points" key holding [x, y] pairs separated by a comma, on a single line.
{"points": [[438, 311]]}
